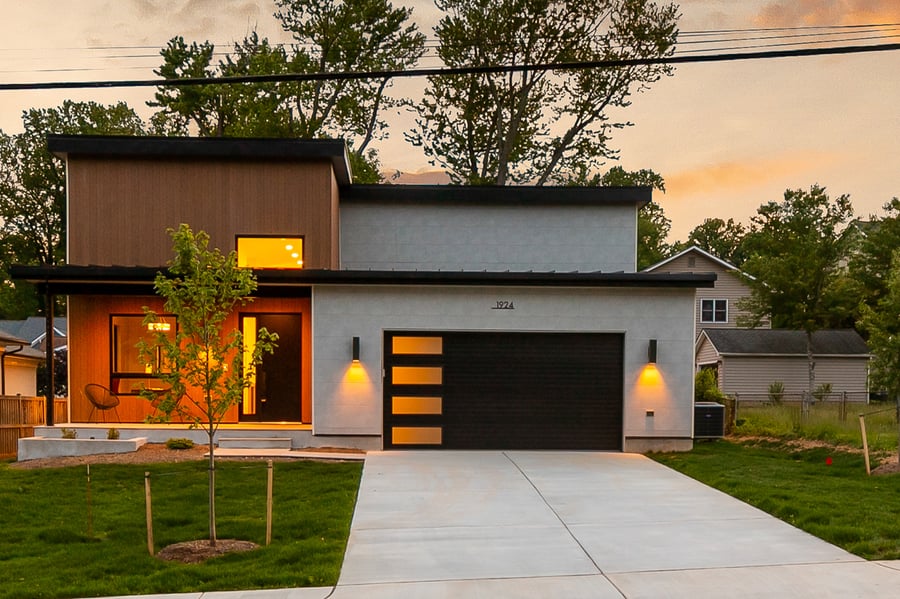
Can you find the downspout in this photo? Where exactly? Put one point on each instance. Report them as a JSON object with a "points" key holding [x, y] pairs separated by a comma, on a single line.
{"points": [[5, 353]]}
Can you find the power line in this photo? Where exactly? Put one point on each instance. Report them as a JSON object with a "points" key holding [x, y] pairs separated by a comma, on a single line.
{"points": [[438, 72]]}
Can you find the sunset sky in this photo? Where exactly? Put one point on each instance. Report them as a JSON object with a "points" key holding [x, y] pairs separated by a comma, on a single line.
{"points": [[726, 137]]}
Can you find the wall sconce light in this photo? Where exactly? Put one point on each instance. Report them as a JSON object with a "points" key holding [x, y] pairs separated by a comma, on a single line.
{"points": [[355, 350], [651, 352]]}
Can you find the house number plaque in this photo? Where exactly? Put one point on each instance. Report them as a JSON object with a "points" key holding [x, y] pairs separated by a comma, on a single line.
{"points": [[503, 305]]}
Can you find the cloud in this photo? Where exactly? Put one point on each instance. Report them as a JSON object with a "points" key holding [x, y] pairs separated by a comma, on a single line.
{"points": [[791, 13], [738, 175]]}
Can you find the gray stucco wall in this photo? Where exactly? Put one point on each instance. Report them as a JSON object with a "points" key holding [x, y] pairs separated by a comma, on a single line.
{"points": [[349, 400], [494, 238]]}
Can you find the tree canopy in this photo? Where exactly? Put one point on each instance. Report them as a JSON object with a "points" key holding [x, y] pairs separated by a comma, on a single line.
{"points": [[536, 126], [33, 188], [722, 239], [329, 36]]}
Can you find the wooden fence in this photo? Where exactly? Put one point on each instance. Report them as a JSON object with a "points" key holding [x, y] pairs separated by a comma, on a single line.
{"points": [[18, 417]]}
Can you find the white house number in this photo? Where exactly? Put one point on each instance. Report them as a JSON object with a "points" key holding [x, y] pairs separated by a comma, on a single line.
{"points": [[503, 305]]}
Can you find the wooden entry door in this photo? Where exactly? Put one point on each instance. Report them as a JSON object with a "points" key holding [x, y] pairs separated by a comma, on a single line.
{"points": [[276, 394]]}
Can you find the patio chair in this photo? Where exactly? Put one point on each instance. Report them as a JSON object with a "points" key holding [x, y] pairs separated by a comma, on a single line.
{"points": [[101, 399]]}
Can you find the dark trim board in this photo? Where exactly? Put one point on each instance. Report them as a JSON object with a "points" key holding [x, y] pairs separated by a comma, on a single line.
{"points": [[514, 390]]}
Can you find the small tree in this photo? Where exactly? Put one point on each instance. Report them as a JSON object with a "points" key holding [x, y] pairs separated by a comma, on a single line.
{"points": [[203, 364]]}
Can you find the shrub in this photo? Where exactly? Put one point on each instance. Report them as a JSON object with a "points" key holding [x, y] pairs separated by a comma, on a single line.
{"points": [[178, 443], [776, 392], [68, 433], [112, 434], [822, 392], [706, 388]]}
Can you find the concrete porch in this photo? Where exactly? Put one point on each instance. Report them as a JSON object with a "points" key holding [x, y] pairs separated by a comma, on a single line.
{"points": [[258, 438]]}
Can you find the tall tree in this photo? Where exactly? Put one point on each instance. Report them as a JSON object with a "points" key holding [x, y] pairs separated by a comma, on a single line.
{"points": [[204, 363], [882, 323], [653, 226], [795, 254], [33, 181], [871, 259], [723, 239], [536, 126], [330, 36]]}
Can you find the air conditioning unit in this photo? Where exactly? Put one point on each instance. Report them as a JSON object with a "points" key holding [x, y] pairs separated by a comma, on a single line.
{"points": [[709, 420]]}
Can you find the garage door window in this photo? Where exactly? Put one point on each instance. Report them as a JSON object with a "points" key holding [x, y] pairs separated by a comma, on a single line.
{"points": [[416, 399]]}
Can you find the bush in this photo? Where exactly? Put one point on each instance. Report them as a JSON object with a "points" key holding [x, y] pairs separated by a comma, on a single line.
{"points": [[112, 434], [706, 388], [776, 392], [68, 433], [822, 391], [179, 443]]}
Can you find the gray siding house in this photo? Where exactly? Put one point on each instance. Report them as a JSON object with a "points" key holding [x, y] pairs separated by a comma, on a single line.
{"points": [[716, 307], [747, 361]]}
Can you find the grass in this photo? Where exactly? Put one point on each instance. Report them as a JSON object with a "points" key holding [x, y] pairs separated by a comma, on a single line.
{"points": [[838, 502], [49, 547], [823, 423]]}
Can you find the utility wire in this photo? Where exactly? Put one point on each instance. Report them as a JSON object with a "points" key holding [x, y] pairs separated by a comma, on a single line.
{"points": [[438, 72]]}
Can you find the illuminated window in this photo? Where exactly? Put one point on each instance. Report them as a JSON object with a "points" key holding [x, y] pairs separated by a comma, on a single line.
{"points": [[418, 345], [270, 252], [129, 373], [713, 310]]}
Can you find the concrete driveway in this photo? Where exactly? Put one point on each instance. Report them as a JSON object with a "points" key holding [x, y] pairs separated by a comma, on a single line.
{"points": [[577, 524]]}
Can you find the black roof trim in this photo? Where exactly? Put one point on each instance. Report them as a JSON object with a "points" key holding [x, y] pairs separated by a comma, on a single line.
{"points": [[495, 194], [334, 150], [75, 280]]}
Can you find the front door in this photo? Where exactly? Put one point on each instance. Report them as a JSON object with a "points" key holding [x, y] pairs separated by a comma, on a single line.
{"points": [[275, 392]]}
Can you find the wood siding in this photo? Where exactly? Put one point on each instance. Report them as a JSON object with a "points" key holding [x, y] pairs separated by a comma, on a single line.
{"points": [[119, 209], [729, 287], [752, 375], [89, 349]]}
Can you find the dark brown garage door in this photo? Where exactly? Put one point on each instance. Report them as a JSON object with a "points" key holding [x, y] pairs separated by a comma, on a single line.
{"points": [[503, 390]]}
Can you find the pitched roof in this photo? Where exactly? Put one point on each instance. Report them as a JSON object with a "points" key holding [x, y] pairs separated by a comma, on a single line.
{"points": [[33, 328], [7, 337], [779, 342], [691, 250]]}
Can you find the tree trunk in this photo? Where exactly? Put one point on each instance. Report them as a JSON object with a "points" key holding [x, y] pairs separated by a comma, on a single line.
{"points": [[212, 492]]}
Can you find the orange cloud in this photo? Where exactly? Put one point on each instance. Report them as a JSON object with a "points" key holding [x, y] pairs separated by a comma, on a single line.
{"points": [[791, 13], [737, 175]]}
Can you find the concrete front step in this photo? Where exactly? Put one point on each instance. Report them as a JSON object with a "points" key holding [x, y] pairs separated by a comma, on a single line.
{"points": [[255, 442]]}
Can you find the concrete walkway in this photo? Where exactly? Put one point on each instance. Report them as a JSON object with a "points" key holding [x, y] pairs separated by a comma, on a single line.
{"points": [[438, 525]]}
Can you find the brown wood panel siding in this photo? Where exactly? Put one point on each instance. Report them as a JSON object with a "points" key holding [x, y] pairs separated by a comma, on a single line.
{"points": [[753, 375], [89, 348], [119, 209]]}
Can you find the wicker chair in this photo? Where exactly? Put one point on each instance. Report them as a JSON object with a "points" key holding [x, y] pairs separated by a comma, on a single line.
{"points": [[101, 399]]}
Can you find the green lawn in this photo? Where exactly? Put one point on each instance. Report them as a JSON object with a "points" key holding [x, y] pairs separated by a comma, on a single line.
{"points": [[838, 502], [46, 549]]}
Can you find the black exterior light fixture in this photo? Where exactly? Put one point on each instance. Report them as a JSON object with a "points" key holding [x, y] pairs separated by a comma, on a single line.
{"points": [[355, 349], [651, 352]]}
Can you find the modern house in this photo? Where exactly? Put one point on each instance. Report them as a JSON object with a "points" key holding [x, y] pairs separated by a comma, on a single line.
{"points": [[717, 307], [408, 316], [747, 361]]}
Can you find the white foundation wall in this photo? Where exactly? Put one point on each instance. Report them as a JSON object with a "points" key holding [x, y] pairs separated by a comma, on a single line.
{"points": [[384, 236], [658, 409]]}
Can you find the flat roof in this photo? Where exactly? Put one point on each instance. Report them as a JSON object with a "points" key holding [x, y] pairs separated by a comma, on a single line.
{"points": [[87, 280], [269, 149], [495, 194]]}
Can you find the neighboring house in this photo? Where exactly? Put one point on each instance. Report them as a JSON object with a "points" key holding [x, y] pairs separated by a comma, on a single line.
{"points": [[18, 365], [747, 361], [717, 307], [408, 316], [34, 330]]}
